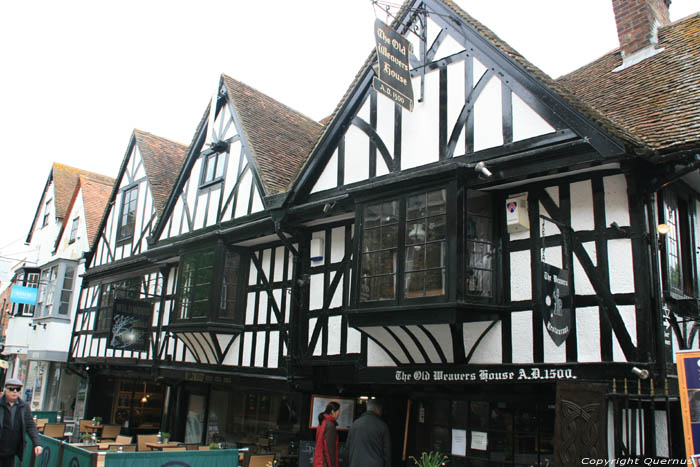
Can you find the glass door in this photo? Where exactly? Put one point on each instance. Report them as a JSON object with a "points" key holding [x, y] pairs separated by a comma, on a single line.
{"points": [[194, 423]]}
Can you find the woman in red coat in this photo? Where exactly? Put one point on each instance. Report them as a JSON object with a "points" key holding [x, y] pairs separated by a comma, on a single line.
{"points": [[326, 453]]}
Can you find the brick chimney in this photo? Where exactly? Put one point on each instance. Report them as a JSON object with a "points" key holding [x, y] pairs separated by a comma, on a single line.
{"points": [[637, 23]]}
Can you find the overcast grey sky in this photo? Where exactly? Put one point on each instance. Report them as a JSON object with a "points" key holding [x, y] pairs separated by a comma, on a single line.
{"points": [[79, 75]]}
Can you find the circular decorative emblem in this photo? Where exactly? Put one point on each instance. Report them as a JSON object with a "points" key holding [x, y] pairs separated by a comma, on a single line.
{"points": [[180, 463], [45, 458], [74, 462]]}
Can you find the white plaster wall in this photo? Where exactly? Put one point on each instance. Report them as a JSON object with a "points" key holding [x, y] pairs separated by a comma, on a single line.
{"points": [[520, 276], [552, 353], [412, 348], [526, 122], [627, 312], [582, 206], [419, 129], [329, 176], [581, 282], [385, 130], [233, 354], [488, 117], [17, 334], [354, 343], [381, 335], [43, 238], [259, 348], [312, 326], [490, 349], [273, 352], [247, 347], [244, 194], [588, 334], [443, 335], [316, 292], [521, 325], [356, 155], [262, 307], [334, 334], [621, 266], [616, 202], [376, 356], [455, 99]]}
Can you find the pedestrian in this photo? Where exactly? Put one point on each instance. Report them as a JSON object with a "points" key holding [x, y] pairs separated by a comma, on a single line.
{"points": [[326, 452], [15, 420], [369, 442]]}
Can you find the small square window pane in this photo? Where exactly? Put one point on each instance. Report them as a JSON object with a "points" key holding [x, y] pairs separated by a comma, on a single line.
{"points": [[390, 212], [390, 236], [386, 287], [436, 228], [435, 255], [478, 282], [436, 202], [414, 284], [220, 163], [479, 255], [415, 232], [373, 215], [415, 207], [415, 258], [435, 282], [387, 262], [371, 239]]}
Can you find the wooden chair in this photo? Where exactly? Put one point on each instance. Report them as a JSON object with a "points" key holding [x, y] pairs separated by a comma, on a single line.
{"points": [[260, 460], [204, 448], [178, 448], [121, 439], [124, 447], [92, 447], [41, 422], [141, 441], [111, 432], [83, 424], [192, 446], [54, 430]]}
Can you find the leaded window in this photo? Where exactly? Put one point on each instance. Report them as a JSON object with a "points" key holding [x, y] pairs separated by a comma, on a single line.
{"points": [[129, 288], [74, 230], [127, 216], [213, 167], [195, 284], [379, 251], [479, 245]]}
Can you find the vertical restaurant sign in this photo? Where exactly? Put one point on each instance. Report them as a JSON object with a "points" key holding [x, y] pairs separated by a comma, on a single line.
{"points": [[394, 79], [556, 311], [688, 367], [131, 324], [24, 295]]}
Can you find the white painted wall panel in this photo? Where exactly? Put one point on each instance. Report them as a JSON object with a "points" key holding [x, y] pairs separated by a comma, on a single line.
{"points": [[388, 341], [376, 356], [552, 353], [419, 132], [490, 349], [273, 353], [521, 324], [247, 348], [582, 206], [621, 266], [250, 308], [354, 341], [356, 155], [334, 334], [581, 282], [260, 348], [338, 244], [262, 307], [488, 117], [329, 176], [316, 292], [385, 130], [443, 335], [616, 202], [526, 122], [588, 334], [455, 100], [520, 276]]}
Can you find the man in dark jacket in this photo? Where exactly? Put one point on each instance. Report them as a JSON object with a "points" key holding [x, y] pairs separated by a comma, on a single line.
{"points": [[15, 420], [369, 443]]}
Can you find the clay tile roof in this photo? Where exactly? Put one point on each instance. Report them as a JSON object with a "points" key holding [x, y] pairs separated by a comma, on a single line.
{"points": [[162, 160], [65, 179], [657, 99], [280, 138], [96, 194]]}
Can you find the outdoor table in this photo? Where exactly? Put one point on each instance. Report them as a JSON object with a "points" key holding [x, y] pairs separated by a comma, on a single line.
{"points": [[93, 428], [160, 446]]}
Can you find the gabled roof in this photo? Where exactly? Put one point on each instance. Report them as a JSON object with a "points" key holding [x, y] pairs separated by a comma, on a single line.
{"points": [[96, 194], [658, 99], [162, 160], [65, 179], [556, 89], [279, 137]]}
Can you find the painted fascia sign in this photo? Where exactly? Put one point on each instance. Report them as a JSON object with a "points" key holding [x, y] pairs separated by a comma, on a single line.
{"points": [[24, 295], [688, 367], [394, 80]]}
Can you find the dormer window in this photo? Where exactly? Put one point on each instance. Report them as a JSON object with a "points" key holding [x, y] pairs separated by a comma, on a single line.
{"points": [[127, 215], [213, 166], [74, 230]]}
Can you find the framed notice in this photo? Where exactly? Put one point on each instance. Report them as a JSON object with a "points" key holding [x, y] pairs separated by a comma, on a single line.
{"points": [[347, 410]]}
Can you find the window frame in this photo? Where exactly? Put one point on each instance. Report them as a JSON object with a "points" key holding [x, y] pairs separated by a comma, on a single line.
{"points": [[74, 230], [123, 236], [103, 319], [50, 297], [220, 160], [402, 248], [215, 295], [677, 208], [47, 213]]}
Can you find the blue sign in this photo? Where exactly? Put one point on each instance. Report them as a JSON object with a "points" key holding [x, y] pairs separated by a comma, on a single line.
{"points": [[21, 294]]}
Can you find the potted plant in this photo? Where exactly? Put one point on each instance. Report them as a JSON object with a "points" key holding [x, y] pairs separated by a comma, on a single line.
{"points": [[85, 437], [214, 446], [165, 436], [98, 420], [430, 459]]}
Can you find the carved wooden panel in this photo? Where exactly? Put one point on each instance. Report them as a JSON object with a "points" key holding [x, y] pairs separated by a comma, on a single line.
{"points": [[580, 427]]}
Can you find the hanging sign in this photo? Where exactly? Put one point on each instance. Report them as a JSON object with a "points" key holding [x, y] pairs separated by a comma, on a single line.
{"points": [[24, 295], [131, 324], [556, 311], [394, 80], [688, 367]]}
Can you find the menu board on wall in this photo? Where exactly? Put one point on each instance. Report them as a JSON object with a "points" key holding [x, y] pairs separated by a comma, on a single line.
{"points": [[347, 410]]}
